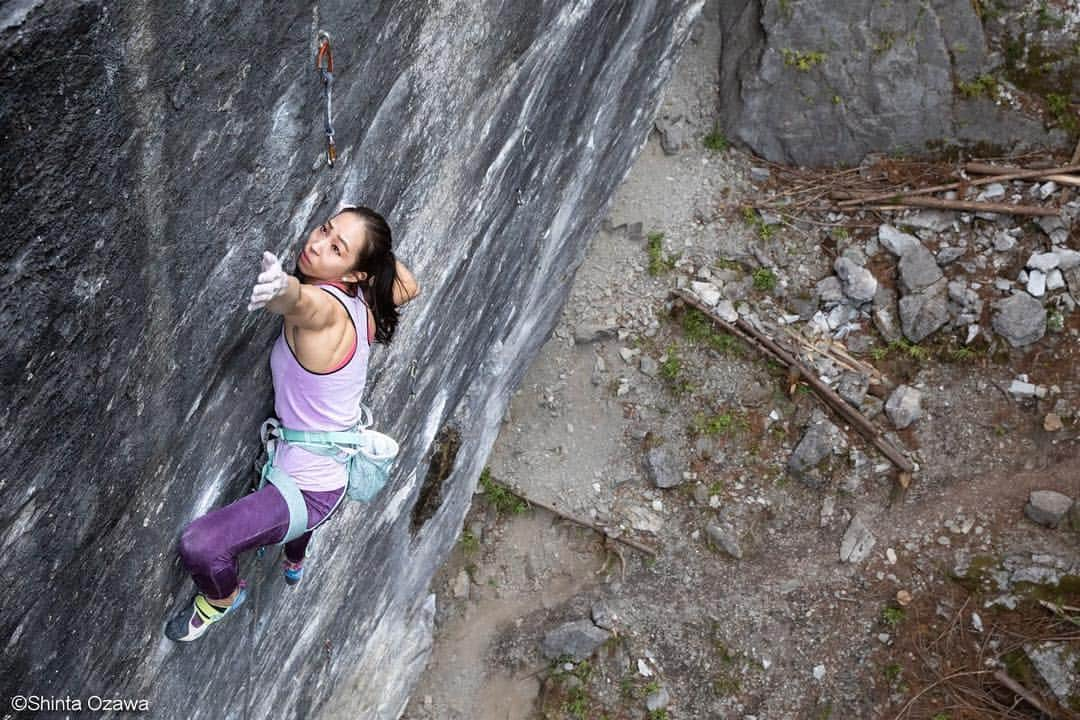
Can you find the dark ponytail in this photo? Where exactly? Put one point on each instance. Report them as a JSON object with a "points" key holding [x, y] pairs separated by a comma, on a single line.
{"points": [[378, 261]]}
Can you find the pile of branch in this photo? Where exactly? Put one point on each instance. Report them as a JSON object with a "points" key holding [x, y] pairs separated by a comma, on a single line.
{"points": [[891, 185], [959, 673]]}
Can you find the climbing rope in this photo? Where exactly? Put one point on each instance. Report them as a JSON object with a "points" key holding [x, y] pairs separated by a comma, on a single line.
{"points": [[327, 74]]}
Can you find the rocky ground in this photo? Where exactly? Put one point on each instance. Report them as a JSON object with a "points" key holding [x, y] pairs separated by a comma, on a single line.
{"points": [[793, 576]]}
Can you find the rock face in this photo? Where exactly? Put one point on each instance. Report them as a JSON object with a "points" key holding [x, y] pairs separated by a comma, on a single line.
{"points": [[818, 81], [149, 158]]}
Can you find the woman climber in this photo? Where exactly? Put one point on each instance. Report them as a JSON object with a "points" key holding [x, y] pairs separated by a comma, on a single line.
{"points": [[345, 279]]}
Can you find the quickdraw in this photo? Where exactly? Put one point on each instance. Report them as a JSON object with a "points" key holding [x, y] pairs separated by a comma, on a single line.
{"points": [[327, 74]]}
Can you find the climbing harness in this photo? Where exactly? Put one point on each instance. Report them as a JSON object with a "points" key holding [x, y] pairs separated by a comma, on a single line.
{"points": [[327, 74], [367, 455]]}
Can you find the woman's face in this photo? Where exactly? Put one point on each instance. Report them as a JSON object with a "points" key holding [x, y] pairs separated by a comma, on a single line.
{"points": [[333, 248]]}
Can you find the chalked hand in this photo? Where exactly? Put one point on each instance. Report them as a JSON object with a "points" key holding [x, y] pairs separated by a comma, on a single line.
{"points": [[272, 282]]}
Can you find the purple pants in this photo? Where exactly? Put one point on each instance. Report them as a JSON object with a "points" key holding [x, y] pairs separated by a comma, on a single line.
{"points": [[210, 544]]}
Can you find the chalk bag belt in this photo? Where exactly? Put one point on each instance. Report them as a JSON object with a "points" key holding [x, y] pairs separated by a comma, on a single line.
{"points": [[327, 74]]}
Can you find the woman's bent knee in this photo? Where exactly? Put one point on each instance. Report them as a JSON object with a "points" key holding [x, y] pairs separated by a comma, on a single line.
{"points": [[196, 546]]}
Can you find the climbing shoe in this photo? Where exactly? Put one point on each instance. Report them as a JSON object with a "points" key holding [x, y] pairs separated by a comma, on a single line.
{"points": [[199, 614], [292, 571]]}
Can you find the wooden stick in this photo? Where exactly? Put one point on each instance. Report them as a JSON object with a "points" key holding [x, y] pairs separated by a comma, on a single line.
{"points": [[898, 194], [827, 394], [985, 169], [581, 521], [1023, 692], [975, 206]]}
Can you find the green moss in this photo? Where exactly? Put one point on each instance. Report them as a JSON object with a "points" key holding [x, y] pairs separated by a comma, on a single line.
{"points": [[764, 280], [716, 140], [892, 616], [801, 60], [983, 86], [658, 262], [700, 329], [496, 494]]}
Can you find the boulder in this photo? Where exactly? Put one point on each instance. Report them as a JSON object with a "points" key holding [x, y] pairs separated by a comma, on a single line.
{"points": [[578, 639], [923, 313], [1020, 319], [1048, 507]]}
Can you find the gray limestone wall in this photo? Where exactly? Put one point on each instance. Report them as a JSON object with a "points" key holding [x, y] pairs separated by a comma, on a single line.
{"points": [[151, 151], [817, 82]]}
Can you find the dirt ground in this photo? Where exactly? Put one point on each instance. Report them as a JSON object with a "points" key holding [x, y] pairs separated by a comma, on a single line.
{"points": [[786, 630]]}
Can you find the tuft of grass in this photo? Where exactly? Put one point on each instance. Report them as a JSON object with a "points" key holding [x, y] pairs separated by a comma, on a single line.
{"points": [[803, 61], [499, 496], [724, 423], [716, 140], [699, 329], [469, 542], [1060, 110], [751, 216], [659, 263], [985, 85], [912, 350], [892, 616], [764, 279], [892, 672], [671, 371]]}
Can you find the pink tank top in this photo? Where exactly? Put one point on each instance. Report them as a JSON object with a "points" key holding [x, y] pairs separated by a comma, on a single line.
{"points": [[307, 400]]}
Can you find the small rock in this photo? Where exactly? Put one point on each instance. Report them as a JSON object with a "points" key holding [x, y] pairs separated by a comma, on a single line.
{"points": [[1047, 189], [904, 406], [1003, 242], [1044, 262], [672, 134], [1020, 319], [937, 221], [852, 386], [816, 445], [890, 556], [1048, 507], [830, 290], [726, 311], [1067, 259], [628, 354], [858, 283], [648, 366], [1052, 423], [578, 639], [1057, 663], [602, 616], [657, 700], [587, 333], [948, 254], [1022, 390], [759, 174], [992, 191], [726, 539], [857, 542], [819, 672], [660, 468], [895, 241], [976, 622], [709, 293], [1036, 283], [1055, 280]]}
